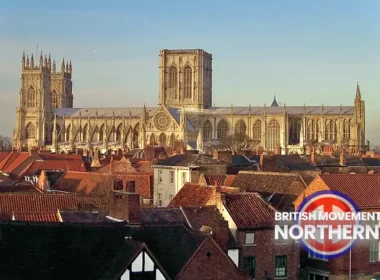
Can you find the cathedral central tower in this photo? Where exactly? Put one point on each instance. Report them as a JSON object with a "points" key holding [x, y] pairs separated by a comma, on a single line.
{"points": [[185, 78]]}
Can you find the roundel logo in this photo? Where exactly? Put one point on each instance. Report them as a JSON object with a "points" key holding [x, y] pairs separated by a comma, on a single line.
{"points": [[325, 246]]}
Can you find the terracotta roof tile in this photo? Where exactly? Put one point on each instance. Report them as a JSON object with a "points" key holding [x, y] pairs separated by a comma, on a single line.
{"points": [[64, 165], [192, 195], [197, 195], [215, 180], [37, 217], [229, 180], [269, 182], [37, 202], [364, 189], [249, 210], [18, 159], [3, 155], [60, 156], [5, 160]]}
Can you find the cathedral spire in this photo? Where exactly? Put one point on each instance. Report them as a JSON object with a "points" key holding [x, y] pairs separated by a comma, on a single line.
{"points": [[41, 60], [45, 62], [54, 67], [63, 66], [23, 60], [49, 62], [358, 92], [32, 62], [70, 68], [27, 62], [274, 103]]}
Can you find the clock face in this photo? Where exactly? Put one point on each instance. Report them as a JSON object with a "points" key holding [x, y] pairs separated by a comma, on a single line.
{"points": [[161, 121]]}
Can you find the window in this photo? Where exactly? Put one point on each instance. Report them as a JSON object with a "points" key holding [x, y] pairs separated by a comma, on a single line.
{"points": [[240, 128], [159, 199], [159, 176], [294, 131], [250, 238], [374, 255], [317, 257], [30, 131], [118, 185], [31, 98], [222, 129], [184, 178], [281, 266], [207, 130], [171, 177], [132, 186], [346, 130], [330, 130], [173, 82], [250, 266], [257, 130], [187, 80], [54, 99], [273, 135]]}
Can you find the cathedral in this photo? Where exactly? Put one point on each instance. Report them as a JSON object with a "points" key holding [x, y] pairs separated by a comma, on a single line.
{"points": [[46, 117]]}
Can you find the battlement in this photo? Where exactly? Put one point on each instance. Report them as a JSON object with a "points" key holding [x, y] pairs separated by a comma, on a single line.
{"points": [[186, 51], [46, 65]]}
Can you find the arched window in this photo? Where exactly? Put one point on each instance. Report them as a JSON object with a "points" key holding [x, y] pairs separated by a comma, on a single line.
{"points": [[152, 140], [173, 74], [118, 133], [85, 133], [101, 133], [312, 130], [95, 135], [222, 130], [294, 131], [136, 135], [162, 140], [240, 128], [30, 131], [330, 130], [112, 135], [273, 134], [31, 98], [172, 140], [187, 81], [68, 128], [207, 130], [346, 130], [59, 133], [257, 130], [54, 99]]}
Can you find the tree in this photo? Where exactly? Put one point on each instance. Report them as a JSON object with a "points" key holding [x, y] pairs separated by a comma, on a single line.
{"points": [[237, 142], [5, 143]]}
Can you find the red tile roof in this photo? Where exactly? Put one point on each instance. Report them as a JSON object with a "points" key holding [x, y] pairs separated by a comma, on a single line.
{"points": [[229, 180], [220, 180], [249, 210], [192, 195], [64, 165], [197, 195], [5, 160], [3, 155], [18, 159], [38, 217], [60, 156], [37, 202], [363, 189]]}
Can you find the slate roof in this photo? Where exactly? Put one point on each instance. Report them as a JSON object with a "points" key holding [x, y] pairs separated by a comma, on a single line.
{"points": [[84, 217], [163, 216], [280, 189], [189, 160], [371, 161], [169, 243], [19, 188], [250, 211], [326, 160], [293, 163], [242, 160], [83, 252], [363, 189], [292, 110]]}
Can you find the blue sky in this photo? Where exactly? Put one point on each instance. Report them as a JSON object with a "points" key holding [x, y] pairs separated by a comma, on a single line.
{"points": [[309, 52]]}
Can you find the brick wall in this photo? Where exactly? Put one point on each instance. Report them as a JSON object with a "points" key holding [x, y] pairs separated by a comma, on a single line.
{"points": [[125, 206], [144, 184], [210, 262], [314, 186], [265, 250]]}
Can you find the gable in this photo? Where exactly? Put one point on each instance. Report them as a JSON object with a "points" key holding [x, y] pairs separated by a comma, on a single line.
{"points": [[163, 120], [316, 185]]}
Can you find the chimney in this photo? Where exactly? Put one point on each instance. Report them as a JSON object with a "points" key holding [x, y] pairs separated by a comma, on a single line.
{"points": [[43, 182], [342, 158], [313, 156], [80, 152], [125, 206], [34, 150], [261, 161], [220, 234], [225, 156]]}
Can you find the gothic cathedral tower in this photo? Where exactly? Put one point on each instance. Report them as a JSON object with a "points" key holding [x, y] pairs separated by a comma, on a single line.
{"points": [[185, 78], [42, 90]]}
